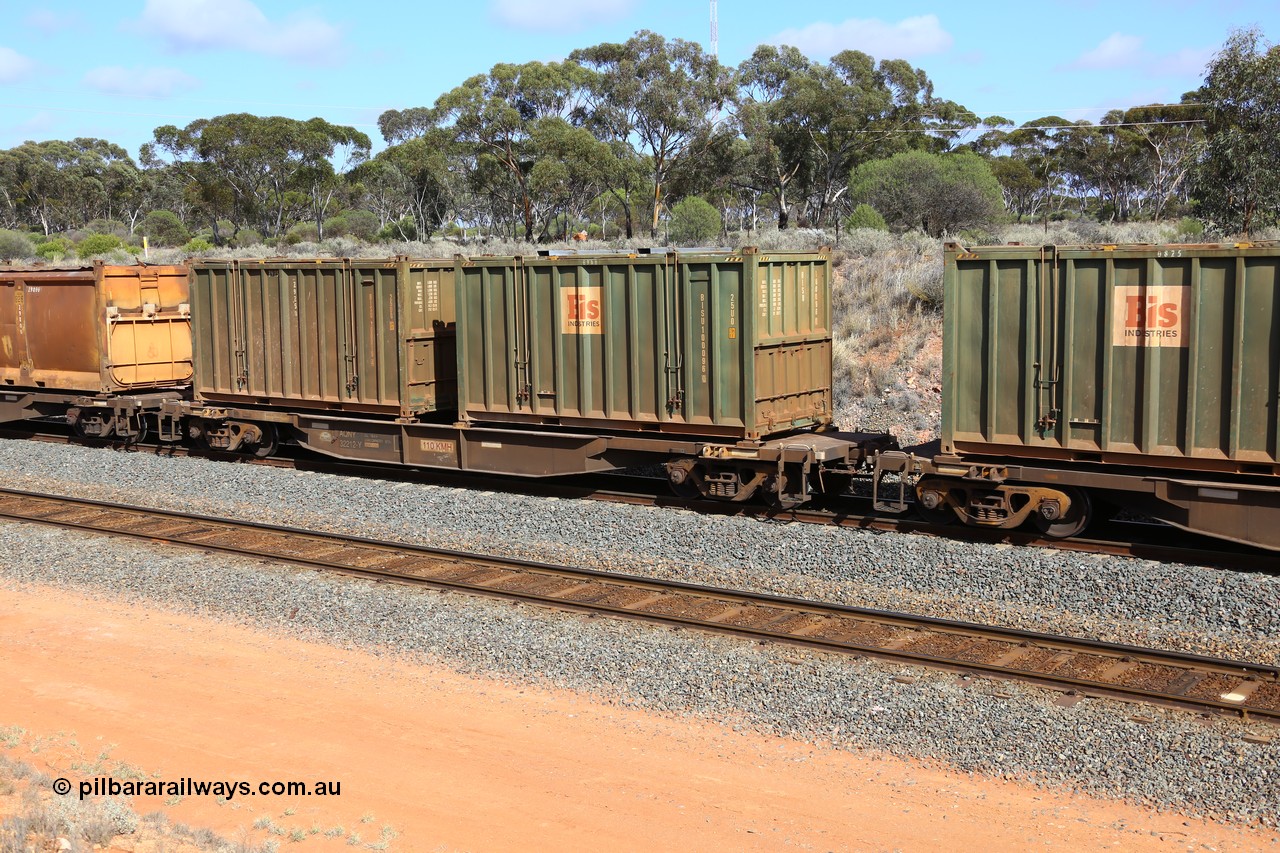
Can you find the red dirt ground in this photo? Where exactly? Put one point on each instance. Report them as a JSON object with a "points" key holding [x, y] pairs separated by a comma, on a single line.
{"points": [[465, 763]]}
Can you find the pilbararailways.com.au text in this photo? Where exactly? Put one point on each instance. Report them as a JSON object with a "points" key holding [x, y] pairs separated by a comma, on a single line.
{"points": [[106, 786]]}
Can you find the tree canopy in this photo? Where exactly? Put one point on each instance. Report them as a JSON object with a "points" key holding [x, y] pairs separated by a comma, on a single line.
{"points": [[615, 137], [252, 169], [1237, 182], [937, 193]]}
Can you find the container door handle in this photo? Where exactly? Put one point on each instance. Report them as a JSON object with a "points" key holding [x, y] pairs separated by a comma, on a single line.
{"points": [[524, 382], [240, 347], [674, 360], [350, 355], [1047, 369]]}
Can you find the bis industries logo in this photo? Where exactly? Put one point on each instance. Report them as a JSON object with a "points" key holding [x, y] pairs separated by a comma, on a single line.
{"points": [[1150, 316]]}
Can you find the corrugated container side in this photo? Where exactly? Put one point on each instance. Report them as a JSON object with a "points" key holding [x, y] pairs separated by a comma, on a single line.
{"points": [[95, 329], [737, 345], [1162, 355], [793, 341], [362, 335]]}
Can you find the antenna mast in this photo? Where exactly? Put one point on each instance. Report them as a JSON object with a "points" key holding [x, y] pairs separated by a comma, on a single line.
{"points": [[715, 31]]}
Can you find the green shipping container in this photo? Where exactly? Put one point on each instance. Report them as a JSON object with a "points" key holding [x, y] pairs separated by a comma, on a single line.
{"points": [[1162, 355], [730, 344], [371, 336]]}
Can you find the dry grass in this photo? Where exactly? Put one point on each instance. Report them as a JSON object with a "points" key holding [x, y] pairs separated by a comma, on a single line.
{"points": [[886, 323], [35, 819], [42, 817], [858, 242]]}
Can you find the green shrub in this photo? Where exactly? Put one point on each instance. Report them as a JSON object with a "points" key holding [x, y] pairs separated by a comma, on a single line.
{"points": [[15, 246], [198, 246], [941, 193], [865, 216], [695, 222], [114, 227], [978, 237], [163, 228], [1188, 230], [54, 249], [303, 232], [361, 224], [98, 244], [246, 237], [406, 229]]}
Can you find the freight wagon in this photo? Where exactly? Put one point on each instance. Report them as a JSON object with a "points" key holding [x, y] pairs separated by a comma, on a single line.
{"points": [[686, 341], [102, 346], [347, 337], [1082, 378], [717, 363], [1076, 379]]}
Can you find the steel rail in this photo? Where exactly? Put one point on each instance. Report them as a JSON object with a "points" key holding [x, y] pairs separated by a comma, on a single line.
{"points": [[1082, 666]]}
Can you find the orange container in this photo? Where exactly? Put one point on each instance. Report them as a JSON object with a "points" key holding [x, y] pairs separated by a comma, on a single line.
{"points": [[99, 329]]}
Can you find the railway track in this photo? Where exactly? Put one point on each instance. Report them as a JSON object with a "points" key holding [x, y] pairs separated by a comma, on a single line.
{"points": [[1080, 667], [1124, 539]]}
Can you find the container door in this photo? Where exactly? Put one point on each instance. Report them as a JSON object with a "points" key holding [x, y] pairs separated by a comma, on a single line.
{"points": [[148, 337], [13, 346], [59, 323], [428, 325]]}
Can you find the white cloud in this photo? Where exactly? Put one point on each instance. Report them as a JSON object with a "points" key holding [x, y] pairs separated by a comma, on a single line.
{"points": [[1122, 51], [1116, 51], [13, 65], [1189, 60], [37, 125], [49, 22], [561, 16], [904, 39], [143, 82], [187, 25]]}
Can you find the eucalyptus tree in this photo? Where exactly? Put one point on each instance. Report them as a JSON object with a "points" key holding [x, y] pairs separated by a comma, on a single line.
{"points": [[574, 171], [1023, 192], [1106, 163], [254, 169], [856, 110], [58, 184], [326, 154], [1037, 146], [496, 117], [1237, 183], [659, 97], [779, 148], [1173, 137], [412, 177]]}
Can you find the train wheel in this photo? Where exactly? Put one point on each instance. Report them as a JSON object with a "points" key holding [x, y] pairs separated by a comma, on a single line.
{"points": [[680, 476], [932, 506], [269, 442], [1073, 522], [941, 514]]}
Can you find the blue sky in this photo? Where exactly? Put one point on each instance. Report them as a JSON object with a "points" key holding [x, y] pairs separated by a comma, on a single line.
{"points": [[119, 69]]}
